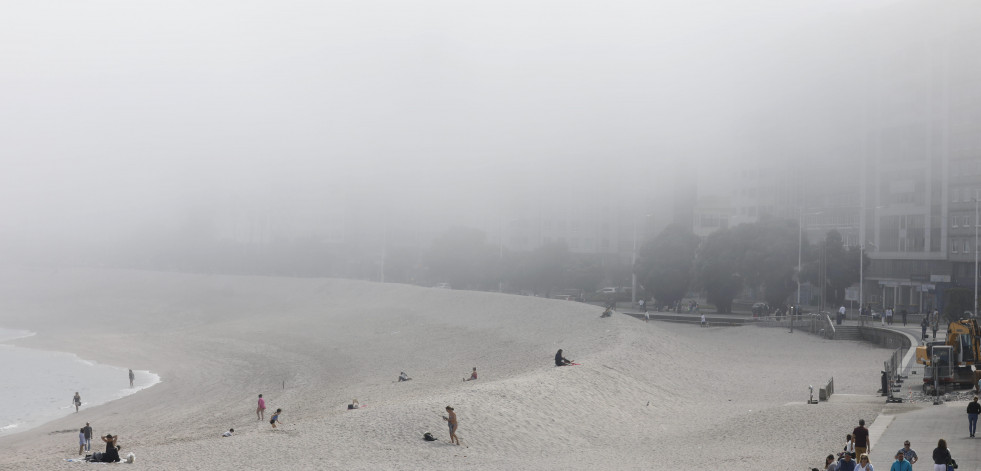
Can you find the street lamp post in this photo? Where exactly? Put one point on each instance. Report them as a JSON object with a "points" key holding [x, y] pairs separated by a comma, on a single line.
{"points": [[975, 253], [800, 247]]}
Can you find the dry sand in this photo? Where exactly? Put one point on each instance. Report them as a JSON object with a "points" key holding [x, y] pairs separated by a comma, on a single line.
{"points": [[647, 396]]}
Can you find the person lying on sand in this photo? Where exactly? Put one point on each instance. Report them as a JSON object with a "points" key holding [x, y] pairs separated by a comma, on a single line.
{"points": [[404, 377], [473, 376], [560, 360]]}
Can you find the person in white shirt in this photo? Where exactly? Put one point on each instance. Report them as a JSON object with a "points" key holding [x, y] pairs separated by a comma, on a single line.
{"points": [[228, 433]]}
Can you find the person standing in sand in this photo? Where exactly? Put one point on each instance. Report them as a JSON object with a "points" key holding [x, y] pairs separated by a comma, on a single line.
{"points": [[451, 421], [275, 418], [473, 376], [77, 400], [81, 440], [260, 411], [131, 377], [87, 430]]}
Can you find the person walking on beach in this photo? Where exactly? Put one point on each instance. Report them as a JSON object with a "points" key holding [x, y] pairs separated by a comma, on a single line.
{"points": [[81, 440], [901, 464], [260, 411], [909, 453], [87, 430], [941, 456], [561, 360], [973, 409], [275, 418], [77, 400], [451, 421], [131, 377], [473, 376], [861, 435]]}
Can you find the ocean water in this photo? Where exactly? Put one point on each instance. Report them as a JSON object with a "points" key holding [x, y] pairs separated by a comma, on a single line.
{"points": [[37, 386]]}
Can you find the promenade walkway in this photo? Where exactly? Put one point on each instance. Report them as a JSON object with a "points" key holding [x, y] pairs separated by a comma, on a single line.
{"points": [[921, 423]]}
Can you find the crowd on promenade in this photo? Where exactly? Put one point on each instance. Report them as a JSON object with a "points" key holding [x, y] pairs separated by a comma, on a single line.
{"points": [[858, 445]]}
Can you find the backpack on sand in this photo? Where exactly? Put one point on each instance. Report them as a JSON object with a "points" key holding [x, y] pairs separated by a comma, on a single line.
{"points": [[428, 437]]}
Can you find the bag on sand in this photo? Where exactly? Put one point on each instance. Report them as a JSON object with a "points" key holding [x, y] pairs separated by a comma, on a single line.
{"points": [[428, 437]]}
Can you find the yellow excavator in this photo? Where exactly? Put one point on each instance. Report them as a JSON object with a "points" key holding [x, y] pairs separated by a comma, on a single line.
{"points": [[956, 356]]}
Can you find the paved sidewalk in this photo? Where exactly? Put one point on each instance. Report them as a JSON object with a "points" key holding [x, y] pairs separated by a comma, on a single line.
{"points": [[923, 425]]}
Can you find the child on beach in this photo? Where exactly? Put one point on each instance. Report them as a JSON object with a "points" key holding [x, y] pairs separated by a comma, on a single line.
{"points": [[81, 440], [473, 376], [228, 433], [275, 417], [404, 377], [451, 421], [77, 400], [260, 412]]}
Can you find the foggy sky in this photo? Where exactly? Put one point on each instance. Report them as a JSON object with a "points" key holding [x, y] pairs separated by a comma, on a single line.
{"points": [[119, 114]]}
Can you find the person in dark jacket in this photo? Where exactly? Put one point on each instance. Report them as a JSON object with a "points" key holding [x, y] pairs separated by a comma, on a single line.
{"points": [[941, 455], [973, 409], [560, 360]]}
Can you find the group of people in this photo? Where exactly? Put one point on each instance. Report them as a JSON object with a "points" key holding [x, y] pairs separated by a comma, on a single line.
{"points": [[111, 455], [260, 413], [855, 456]]}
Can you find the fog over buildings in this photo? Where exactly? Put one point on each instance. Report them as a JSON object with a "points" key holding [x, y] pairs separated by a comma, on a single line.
{"points": [[131, 131]]}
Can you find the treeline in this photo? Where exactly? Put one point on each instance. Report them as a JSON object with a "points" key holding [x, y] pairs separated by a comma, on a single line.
{"points": [[760, 257]]}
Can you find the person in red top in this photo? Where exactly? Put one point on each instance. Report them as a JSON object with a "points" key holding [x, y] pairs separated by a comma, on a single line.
{"points": [[863, 444], [260, 411]]}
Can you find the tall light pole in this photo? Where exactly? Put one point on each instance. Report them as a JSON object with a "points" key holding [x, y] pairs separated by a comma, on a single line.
{"points": [[633, 263], [800, 247], [975, 253]]}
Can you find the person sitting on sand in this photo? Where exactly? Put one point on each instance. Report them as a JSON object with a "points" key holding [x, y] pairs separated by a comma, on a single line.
{"points": [[111, 455], [404, 377], [354, 404], [275, 418], [228, 433], [560, 360], [110, 441], [473, 376], [451, 421], [607, 313]]}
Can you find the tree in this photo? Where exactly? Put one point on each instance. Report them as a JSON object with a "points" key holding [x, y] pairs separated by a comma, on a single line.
{"points": [[773, 252], [839, 264], [664, 265], [716, 267]]}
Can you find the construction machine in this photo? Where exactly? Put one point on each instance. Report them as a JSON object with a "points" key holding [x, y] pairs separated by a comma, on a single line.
{"points": [[956, 356]]}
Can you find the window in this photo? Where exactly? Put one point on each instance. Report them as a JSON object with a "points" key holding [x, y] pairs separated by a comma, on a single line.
{"points": [[953, 245]]}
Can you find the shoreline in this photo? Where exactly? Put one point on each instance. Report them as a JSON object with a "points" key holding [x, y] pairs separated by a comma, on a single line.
{"points": [[31, 410]]}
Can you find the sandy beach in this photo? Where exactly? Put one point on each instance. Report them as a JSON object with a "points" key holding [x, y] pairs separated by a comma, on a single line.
{"points": [[646, 396]]}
